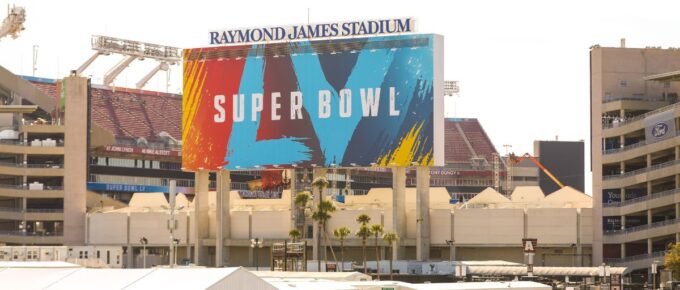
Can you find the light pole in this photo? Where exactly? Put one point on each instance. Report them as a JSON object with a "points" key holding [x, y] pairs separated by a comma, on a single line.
{"points": [[174, 258], [144, 242], [450, 243], [255, 244], [604, 272]]}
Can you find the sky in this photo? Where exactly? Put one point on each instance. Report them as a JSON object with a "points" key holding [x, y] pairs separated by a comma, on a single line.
{"points": [[523, 66]]}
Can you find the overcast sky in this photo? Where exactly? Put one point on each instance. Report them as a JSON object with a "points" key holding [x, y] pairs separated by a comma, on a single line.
{"points": [[522, 65]]}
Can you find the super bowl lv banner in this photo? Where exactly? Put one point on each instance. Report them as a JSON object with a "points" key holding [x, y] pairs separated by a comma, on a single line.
{"points": [[344, 102]]}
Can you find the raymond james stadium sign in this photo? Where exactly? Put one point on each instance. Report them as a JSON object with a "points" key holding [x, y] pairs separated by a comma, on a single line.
{"points": [[313, 31]]}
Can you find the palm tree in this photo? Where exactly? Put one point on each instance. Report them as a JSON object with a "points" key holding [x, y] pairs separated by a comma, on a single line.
{"points": [[364, 233], [363, 219], [294, 235], [341, 234], [321, 216], [391, 238], [377, 230], [301, 200], [320, 183]]}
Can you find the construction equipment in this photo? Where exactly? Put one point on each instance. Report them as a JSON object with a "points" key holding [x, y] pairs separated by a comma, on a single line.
{"points": [[14, 23], [514, 159]]}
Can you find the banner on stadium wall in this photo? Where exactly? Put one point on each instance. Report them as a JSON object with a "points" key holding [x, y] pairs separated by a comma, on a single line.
{"points": [[95, 186], [660, 126], [374, 101]]}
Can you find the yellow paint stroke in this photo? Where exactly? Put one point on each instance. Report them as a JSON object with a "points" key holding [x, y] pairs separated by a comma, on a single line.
{"points": [[407, 151], [193, 80]]}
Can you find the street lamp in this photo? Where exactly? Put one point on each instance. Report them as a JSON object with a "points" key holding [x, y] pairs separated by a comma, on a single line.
{"points": [[604, 272], [175, 242], [450, 243], [144, 242], [256, 243]]}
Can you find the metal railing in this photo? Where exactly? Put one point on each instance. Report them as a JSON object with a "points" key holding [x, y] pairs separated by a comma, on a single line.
{"points": [[26, 143], [25, 165], [635, 258], [642, 227], [642, 198], [632, 146], [609, 99], [641, 170], [26, 187], [32, 210], [640, 117], [30, 234]]}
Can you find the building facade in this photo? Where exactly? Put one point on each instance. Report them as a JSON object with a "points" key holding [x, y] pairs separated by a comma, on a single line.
{"points": [[635, 154]]}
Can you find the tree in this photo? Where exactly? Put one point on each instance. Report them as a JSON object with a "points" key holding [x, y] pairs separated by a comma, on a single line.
{"points": [[320, 183], [672, 260], [341, 234], [321, 216], [302, 200], [294, 235], [364, 233], [363, 219], [391, 238], [377, 231]]}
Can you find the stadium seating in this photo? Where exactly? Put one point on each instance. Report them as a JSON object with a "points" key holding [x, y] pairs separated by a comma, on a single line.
{"points": [[457, 151]]}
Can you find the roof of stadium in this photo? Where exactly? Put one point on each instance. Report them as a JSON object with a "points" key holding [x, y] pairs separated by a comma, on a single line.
{"points": [[128, 113]]}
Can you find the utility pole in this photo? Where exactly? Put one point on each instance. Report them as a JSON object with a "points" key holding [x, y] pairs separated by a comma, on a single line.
{"points": [[172, 223], [508, 169]]}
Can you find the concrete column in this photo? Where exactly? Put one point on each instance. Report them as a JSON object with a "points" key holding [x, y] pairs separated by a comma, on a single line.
{"points": [[649, 216], [623, 250], [76, 148], [398, 208], [579, 238], [649, 246], [623, 194], [317, 197], [677, 181], [677, 210], [649, 160], [649, 188], [623, 167], [452, 251], [623, 222], [677, 152], [422, 213], [223, 217], [677, 237], [201, 221]]}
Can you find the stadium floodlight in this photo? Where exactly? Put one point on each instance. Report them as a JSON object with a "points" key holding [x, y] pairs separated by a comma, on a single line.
{"points": [[13, 23], [451, 88], [133, 50]]}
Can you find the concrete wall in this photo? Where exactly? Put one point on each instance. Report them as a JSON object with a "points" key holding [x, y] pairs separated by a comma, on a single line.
{"points": [[108, 229], [486, 226], [542, 222]]}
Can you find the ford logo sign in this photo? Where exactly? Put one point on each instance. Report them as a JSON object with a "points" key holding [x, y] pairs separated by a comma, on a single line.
{"points": [[659, 130]]}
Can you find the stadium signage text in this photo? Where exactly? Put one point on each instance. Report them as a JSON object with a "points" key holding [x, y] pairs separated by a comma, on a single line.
{"points": [[369, 98], [313, 31], [145, 151]]}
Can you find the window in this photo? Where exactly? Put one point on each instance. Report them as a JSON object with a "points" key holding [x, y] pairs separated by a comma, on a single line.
{"points": [[98, 254]]}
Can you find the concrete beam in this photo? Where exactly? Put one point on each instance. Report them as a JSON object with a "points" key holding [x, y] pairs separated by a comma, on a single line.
{"points": [[399, 208], [201, 221]]}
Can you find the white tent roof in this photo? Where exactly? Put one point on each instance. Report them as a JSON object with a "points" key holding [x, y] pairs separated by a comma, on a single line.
{"points": [[148, 199], [36, 264], [568, 197], [540, 271], [518, 285], [489, 196], [527, 194], [333, 276], [131, 279]]}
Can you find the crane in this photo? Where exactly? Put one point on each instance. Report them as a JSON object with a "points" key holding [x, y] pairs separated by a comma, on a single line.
{"points": [[14, 23], [514, 159]]}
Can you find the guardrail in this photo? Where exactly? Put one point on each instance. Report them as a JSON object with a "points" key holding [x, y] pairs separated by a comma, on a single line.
{"points": [[640, 117], [30, 234], [26, 143], [26, 187], [642, 198], [641, 170], [623, 98], [32, 210], [635, 258], [642, 227], [24, 165]]}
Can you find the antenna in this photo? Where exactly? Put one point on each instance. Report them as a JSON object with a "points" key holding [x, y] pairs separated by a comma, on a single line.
{"points": [[35, 58]]}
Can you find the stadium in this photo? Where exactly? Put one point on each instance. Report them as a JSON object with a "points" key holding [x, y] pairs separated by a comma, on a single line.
{"points": [[111, 172]]}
